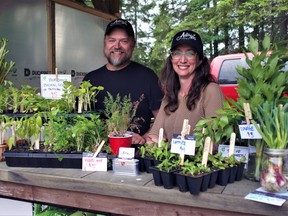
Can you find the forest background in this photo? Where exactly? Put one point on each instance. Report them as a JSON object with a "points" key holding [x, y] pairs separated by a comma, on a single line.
{"points": [[225, 26]]}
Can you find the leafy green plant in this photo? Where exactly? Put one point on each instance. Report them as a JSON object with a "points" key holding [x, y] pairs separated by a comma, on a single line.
{"points": [[273, 119], [87, 95], [5, 67], [77, 133], [14, 98], [57, 133], [68, 99], [5, 123], [216, 161], [264, 79], [120, 114], [193, 169], [4, 96], [219, 127], [88, 132], [146, 150], [169, 163]]}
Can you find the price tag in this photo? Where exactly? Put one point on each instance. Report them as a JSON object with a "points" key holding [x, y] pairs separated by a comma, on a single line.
{"points": [[126, 153], [91, 163], [248, 131], [52, 86], [239, 151], [184, 146]]}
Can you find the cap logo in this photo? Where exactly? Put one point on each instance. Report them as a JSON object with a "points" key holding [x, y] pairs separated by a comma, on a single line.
{"points": [[119, 22], [186, 36]]}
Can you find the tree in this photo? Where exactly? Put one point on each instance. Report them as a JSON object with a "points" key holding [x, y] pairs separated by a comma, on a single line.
{"points": [[224, 25]]}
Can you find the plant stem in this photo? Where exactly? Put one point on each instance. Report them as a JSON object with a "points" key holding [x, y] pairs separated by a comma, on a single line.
{"points": [[259, 153]]}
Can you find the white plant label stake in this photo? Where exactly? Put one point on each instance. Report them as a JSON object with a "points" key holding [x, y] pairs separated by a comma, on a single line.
{"points": [[184, 131], [211, 142], [161, 131], [99, 149], [232, 144], [206, 151], [248, 114]]}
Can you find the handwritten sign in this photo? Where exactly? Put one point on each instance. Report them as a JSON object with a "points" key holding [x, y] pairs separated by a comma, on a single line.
{"points": [[52, 86], [239, 151], [183, 146], [126, 153], [90, 163], [248, 131]]}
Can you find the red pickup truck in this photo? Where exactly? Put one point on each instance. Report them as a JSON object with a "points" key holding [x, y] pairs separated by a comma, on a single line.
{"points": [[224, 69]]}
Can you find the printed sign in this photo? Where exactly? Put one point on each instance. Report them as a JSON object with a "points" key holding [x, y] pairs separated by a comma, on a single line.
{"points": [[52, 86], [239, 151], [90, 163], [186, 146], [249, 132]]}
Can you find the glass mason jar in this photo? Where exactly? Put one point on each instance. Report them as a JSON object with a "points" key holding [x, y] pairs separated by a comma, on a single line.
{"points": [[272, 178]]}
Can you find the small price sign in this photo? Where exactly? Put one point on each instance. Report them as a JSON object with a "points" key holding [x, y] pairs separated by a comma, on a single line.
{"points": [[183, 146], [91, 163], [249, 132], [239, 151], [52, 86]]}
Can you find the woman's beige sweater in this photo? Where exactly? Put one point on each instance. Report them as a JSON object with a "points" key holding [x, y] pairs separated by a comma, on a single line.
{"points": [[211, 100]]}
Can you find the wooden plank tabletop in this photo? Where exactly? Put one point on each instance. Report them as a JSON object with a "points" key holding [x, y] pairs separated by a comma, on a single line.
{"points": [[128, 195]]}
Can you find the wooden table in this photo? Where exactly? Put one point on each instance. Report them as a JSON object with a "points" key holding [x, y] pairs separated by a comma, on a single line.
{"points": [[128, 195]]}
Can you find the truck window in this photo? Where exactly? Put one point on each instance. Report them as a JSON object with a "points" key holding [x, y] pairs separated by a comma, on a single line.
{"points": [[228, 72]]}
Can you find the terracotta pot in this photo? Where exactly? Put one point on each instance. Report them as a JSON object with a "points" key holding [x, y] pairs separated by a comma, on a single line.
{"points": [[3, 147], [119, 141]]}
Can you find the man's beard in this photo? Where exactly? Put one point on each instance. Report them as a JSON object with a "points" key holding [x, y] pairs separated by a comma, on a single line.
{"points": [[120, 60]]}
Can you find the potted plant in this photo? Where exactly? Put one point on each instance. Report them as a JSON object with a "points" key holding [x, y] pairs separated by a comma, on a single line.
{"points": [[166, 168], [194, 173], [263, 80], [120, 117], [273, 126], [146, 153]]}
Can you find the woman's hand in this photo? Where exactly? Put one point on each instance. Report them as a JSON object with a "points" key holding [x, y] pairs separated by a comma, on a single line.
{"points": [[137, 139], [151, 138]]}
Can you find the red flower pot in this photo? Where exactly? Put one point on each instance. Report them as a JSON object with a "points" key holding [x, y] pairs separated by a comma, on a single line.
{"points": [[119, 141]]}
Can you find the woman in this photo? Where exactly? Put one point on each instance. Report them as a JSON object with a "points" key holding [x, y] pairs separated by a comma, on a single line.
{"points": [[190, 90]]}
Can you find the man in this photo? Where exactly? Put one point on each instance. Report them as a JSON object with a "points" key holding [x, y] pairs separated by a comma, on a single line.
{"points": [[126, 77]]}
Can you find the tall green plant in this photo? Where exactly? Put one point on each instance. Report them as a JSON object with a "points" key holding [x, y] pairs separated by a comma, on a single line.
{"points": [[5, 67], [273, 127], [120, 113], [264, 79]]}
